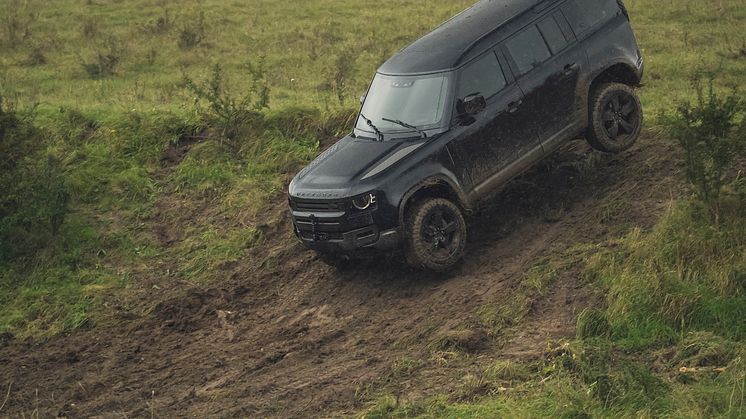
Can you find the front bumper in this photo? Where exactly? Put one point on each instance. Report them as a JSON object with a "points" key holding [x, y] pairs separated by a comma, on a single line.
{"points": [[364, 238], [336, 227]]}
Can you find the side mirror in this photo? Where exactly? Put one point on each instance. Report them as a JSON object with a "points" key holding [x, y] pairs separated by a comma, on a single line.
{"points": [[472, 104]]}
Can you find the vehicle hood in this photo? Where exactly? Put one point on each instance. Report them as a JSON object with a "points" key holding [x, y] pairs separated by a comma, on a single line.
{"points": [[351, 160]]}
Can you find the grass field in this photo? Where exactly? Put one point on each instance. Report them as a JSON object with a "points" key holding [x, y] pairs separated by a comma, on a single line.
{"points": [[99, 87]]}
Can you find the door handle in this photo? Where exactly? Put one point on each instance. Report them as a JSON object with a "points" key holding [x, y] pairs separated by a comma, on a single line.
{"points": [[513, 106], [569, 69]]}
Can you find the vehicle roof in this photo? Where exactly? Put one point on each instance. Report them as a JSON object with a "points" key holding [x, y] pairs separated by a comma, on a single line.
{"points": [[443, 48]]}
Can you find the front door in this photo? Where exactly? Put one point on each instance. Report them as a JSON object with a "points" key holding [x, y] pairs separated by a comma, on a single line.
{"points": [[499, 135]]}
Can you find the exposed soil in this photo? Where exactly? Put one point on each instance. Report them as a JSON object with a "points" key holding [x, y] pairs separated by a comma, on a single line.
{"points": [[295, 338]]}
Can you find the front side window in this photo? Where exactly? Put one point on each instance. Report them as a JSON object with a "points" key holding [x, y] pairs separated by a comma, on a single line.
{"points": [[418, 101], [483, 76], [528, 49]]}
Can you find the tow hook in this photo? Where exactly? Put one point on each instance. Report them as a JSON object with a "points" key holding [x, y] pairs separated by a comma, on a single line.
{"points": [[317, 236]]}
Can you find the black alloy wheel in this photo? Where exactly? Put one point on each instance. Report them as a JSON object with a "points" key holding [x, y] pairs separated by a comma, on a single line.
{"points": [[620, 117], [615, 119], [435, 234]]}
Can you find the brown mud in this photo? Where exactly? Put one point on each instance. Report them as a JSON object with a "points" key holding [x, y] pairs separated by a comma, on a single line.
{"points": [[283, 335]]}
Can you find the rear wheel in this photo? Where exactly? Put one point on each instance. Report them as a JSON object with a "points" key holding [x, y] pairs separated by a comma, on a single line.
{"points": [[615, 118], [435, 234]]}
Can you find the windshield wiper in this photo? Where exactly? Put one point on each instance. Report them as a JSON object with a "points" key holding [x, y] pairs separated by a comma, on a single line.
{"points": [[405, 125], [379, 134]]}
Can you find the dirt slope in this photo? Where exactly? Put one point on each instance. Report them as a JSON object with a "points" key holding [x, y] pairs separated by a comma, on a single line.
{"points": [[299, 339]]}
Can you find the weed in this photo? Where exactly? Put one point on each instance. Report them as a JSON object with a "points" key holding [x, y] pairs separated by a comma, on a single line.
{"points": [[704, 349], [17, 20], [151, 56], [213, 251], [339, 78], [473, 386], [105, 60], [405, 367], [233, 116], [89, 28], [192, 34], [507, 371], [34, 58], [497, 317], [592, 323], [540, 277], [712, 133], [34, 201], [159, 25]]}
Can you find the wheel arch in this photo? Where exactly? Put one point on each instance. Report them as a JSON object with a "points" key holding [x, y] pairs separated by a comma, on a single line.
{"points": [[617, 73], [439, 186]]}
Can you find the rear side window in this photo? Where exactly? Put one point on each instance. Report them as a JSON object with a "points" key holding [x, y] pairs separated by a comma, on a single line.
{"points": [[528, 49], [585, 15], [483, 76], [552, 34]]}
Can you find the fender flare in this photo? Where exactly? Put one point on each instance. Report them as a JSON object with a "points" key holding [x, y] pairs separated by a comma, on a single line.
{"points": [[437, 179]]}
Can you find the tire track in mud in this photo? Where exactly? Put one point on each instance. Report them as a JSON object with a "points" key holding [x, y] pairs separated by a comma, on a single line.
{"points": [[300, 339]]}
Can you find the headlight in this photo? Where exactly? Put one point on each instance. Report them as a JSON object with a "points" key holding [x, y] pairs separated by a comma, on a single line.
{"points": [[364, 202]]}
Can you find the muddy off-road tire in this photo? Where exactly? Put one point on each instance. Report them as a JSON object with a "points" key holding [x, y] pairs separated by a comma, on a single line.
{"points": [[434, 234], [615, 118]]}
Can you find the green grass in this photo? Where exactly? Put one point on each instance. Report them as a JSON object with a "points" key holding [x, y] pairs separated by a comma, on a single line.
{"points": [[676, 299]]}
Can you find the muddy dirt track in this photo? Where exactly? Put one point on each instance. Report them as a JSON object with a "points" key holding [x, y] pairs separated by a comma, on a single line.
{"points": [[300, 339]]}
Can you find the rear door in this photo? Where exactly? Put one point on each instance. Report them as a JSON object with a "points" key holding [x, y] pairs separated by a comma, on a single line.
{"points": [[500, 134], [548, 61]]}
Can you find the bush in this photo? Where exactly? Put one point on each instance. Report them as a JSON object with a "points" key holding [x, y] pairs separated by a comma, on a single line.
{"points": [[231, 115], [712, 133], [34, 201]]}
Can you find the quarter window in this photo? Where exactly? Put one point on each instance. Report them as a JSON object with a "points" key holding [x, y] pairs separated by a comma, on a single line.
{"points": [[528, 49], [586, 14], [483, 76], [552, 34]]}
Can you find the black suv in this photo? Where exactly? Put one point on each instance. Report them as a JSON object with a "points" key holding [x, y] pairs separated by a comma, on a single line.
{"points": [[456, 115]]}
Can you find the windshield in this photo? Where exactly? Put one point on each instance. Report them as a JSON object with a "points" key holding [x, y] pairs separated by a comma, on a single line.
{"points": [[418, 101]]}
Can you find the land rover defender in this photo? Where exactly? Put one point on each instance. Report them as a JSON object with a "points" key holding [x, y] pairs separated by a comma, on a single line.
{"points": [[459, 113]]}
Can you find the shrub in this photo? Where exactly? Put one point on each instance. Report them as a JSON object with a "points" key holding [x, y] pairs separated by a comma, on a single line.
{"points": [[231, 115], [712, 132], [34, 201]]}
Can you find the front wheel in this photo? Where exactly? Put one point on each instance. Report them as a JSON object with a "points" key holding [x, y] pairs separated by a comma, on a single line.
{"points": [[615, 118], [435, 234]]}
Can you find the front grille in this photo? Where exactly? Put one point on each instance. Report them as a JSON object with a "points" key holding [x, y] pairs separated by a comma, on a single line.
{"points": [[317, 205]]}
